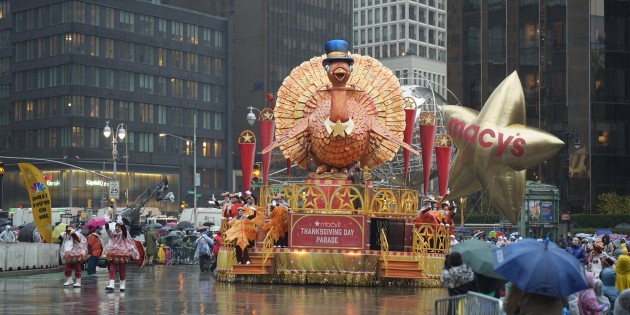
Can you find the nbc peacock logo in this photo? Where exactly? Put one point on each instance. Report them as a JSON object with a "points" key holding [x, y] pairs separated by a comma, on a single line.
{"points": [[37, 187]]}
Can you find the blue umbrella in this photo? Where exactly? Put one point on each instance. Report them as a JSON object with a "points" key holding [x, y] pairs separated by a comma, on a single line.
{"points": [[603, 232], [540, 268], [166, 228]]}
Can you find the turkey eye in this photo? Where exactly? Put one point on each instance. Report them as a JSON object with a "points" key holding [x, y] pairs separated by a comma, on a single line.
{"points": [[327, 67], [350, 68]]}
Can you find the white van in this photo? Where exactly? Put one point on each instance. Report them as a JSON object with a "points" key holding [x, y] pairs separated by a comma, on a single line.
{"points": [[203, 215]]}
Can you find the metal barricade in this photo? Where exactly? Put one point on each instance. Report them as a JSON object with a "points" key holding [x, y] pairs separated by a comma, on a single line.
{"points": [[472, 303]]}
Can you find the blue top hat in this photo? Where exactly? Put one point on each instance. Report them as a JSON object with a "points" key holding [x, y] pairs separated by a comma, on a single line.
{"points": [[337, 50]]}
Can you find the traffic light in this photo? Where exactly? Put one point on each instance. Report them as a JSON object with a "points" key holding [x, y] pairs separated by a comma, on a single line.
{"points": [[1, 168], [89, 204], [257, 172], [111, 203], [183, 206]]}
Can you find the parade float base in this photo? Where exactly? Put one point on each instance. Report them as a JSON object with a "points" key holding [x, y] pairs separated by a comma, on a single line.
{"points": [[332, 267]]}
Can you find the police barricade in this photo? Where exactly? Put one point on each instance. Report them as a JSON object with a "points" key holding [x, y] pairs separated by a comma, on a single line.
{"points": [[14, 256], [472, 303], [3, 257]]}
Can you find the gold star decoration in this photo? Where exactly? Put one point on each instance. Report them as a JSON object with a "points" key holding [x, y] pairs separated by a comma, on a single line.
{"points": [[443, 140], [311, 195], [338, 129], [345, 196], [428, 118], [495, 148], [409, 103], [247, 136], [267, 114]]}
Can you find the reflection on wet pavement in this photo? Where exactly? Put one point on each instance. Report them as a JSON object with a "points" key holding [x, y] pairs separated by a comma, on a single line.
{"points": [[183, 290]]}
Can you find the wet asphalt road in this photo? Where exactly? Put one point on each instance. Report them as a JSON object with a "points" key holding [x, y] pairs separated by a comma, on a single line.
{"points": [[183, 289]]}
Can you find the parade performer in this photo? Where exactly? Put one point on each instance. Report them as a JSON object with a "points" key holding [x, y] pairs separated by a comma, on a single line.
{"points": [[279, 214], [226, 199], [74, 253], [231, 210], [121, 249], [243, 231]]}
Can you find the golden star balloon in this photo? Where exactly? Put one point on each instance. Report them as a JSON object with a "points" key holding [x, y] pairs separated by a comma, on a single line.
{"points": [[494, 148]]}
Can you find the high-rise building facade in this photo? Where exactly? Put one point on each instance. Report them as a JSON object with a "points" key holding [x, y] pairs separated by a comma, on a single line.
{"points": [[271, 37], [407, 36], [68, 67], [572, 59]]}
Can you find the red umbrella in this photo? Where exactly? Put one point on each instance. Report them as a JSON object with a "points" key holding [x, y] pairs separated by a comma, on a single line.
{"points": [[95, 223], [171, 224]]}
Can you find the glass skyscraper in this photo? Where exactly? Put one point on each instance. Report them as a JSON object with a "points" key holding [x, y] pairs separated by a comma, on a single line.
{"points": [[572, 59]]}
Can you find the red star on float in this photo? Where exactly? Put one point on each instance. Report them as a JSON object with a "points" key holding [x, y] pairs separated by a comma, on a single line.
{"points": [[494, 148]]}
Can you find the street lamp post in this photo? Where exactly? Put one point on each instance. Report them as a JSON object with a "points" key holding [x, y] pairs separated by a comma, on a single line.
{"points": [[120, 133], [195, 175]]}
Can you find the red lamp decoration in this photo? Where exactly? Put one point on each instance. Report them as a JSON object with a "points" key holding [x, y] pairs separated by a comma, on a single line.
{"points": [[410, 118], [443, 152], [267, 127], [427, 139], [247, 145]]}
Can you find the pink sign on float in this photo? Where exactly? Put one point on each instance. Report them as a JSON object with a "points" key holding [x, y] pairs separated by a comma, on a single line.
{"points": [[327, 231]]}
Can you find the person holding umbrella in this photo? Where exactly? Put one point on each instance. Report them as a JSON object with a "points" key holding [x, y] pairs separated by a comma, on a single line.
{"points": [[121, 249], [457, 277], [150, 244], [94, 249], [74, 253]]}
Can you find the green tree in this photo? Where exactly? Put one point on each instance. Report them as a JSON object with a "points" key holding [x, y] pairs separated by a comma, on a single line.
{"points": [[612, 203]]}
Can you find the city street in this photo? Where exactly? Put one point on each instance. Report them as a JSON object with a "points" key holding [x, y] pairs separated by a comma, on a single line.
{"points": [[183, 290]]}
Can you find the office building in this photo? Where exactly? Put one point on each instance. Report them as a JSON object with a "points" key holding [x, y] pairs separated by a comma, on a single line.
{"points": [[68, 67], [409, 37], [271, 37]]}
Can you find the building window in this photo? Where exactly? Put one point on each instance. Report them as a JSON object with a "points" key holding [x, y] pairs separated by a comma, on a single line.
{"points": [[145, 82], [191, 62], [218, 148], [109, 48], [52, 138], [162, 57], [146, 25], [93, 107], [145, 142], [192, 91], [192, 34], [109, 109], [4, 9], [125, 110], [126, 51], [78, 138], [146, 113], [178, 59], [177, 87], [218, 121], [126, 20], [218, 39], [218, 66], [110, 17], [161, 114], [177, 31]]}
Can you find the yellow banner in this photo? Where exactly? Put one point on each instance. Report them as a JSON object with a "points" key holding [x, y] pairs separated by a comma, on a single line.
{"points": [[40, 199]]}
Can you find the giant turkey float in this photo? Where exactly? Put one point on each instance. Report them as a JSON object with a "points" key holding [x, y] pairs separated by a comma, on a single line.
{"points": [[340, 108]]}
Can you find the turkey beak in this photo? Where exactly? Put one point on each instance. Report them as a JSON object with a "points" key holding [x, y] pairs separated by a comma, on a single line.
{"points": [[340, 73]]}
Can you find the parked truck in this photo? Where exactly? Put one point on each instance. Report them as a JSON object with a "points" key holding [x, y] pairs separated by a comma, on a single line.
{"points": [[204, 215]]}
